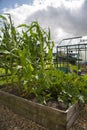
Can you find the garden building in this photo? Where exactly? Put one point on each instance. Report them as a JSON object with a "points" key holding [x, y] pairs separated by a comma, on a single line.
{"points": [[72, 54]]}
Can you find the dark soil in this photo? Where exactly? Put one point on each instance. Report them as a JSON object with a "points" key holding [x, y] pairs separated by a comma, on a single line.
{"points": [[51, 103]]}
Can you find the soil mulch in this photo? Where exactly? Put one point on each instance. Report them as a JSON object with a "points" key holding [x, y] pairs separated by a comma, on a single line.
{"points": [[81, 122]]}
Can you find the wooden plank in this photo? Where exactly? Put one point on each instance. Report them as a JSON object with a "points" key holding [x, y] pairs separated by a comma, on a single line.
{"points": [[72, 114], [48, 117], [51, 118], [72, 120], [73, 109]]}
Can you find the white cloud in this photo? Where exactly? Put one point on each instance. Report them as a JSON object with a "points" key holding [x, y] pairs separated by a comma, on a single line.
{"points": [[65, 18]]}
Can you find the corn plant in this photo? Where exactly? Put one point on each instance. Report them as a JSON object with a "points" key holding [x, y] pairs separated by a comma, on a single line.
{"points": [[36, 52], [8, 44]]}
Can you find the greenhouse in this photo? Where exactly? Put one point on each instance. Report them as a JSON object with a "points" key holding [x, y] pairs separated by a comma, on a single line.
{"points": [[72, 54]]}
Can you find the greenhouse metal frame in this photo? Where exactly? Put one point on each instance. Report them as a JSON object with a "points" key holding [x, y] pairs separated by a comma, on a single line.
{"points": [[72, 50]]}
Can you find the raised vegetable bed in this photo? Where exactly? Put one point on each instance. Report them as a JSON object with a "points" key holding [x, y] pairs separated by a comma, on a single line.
{"points": [[48, 117]]}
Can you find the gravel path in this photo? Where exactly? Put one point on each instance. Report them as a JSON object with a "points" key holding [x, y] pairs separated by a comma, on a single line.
{"points": [[11, 121], [81, 122]]}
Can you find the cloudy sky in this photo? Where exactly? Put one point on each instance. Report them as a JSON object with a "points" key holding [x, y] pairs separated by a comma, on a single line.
{"points": [[66, 18]]}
